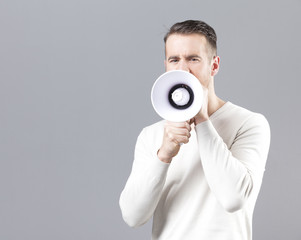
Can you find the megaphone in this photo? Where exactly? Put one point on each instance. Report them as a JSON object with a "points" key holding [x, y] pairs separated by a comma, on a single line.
{"points": [[177, 96]]}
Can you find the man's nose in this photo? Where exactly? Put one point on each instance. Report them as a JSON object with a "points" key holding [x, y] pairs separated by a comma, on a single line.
{"points": [[183, 65]]}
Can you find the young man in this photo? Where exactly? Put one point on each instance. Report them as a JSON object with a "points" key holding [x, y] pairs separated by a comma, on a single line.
{"points": [[207, 187]]}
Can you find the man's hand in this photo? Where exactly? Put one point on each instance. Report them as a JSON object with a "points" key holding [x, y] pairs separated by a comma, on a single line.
{"points": [[175, 134]]}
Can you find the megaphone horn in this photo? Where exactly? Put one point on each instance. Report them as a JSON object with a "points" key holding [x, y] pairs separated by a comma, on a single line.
{"points": [[177, 96]]}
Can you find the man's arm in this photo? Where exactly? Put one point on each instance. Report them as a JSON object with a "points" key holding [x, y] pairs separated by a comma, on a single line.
{"points": [[143, 189], [234, 175]]}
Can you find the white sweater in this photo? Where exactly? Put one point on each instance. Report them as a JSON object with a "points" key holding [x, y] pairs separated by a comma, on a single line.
{"points": [[209, 190]]}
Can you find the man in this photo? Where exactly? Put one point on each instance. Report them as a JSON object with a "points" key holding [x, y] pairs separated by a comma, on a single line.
{"points": [[207, 187]]}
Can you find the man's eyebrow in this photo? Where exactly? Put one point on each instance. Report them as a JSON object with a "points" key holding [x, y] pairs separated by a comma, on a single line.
{"points": [[193, 56], [173, 57], [186, 57]]}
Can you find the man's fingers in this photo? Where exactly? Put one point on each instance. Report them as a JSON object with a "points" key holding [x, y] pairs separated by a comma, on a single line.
{"points": [[178, 133], [182, 139], [175, 134], [178, 125]]}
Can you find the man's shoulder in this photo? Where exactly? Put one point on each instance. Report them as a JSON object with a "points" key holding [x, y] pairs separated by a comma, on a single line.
{"points": [[154, 130], [248, 120], [232, 121], [238, 113], [234, 117], [151, 136]]}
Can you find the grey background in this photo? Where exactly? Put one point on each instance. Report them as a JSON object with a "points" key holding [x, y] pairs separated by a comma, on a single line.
{"points": [[75, 81]]}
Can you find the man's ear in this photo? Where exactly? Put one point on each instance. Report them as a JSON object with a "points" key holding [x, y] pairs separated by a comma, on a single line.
{"points": [[215, 65]]}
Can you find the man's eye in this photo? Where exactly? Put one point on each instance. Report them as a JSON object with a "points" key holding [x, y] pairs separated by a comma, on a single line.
{"points": [[194, 59], [173, 60]]}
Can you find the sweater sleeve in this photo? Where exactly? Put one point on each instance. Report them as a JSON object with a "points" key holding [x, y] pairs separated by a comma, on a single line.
{"points": [[144, 186], [235, 175]]}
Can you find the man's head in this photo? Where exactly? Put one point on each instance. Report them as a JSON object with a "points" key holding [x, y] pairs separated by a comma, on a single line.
{"points": [[191, 46], [196, 27]]}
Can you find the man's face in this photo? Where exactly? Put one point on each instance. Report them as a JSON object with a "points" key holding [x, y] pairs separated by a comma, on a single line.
{"points": [[190, 53]]}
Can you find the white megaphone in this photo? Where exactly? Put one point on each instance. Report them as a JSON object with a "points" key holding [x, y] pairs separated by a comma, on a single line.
{"points": [[177, 96]]}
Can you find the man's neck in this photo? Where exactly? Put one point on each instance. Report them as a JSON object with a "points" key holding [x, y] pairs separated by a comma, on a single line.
{"points": [[214, 103]]}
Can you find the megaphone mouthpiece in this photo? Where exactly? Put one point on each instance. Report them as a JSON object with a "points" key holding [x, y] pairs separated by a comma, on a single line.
{"points": [[181, 96]]}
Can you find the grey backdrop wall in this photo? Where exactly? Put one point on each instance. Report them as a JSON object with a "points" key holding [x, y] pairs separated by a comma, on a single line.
{"points": [[75, 81]]}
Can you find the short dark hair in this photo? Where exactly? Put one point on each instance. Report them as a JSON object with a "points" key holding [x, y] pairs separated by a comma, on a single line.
{"points": [[194, 26]]}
